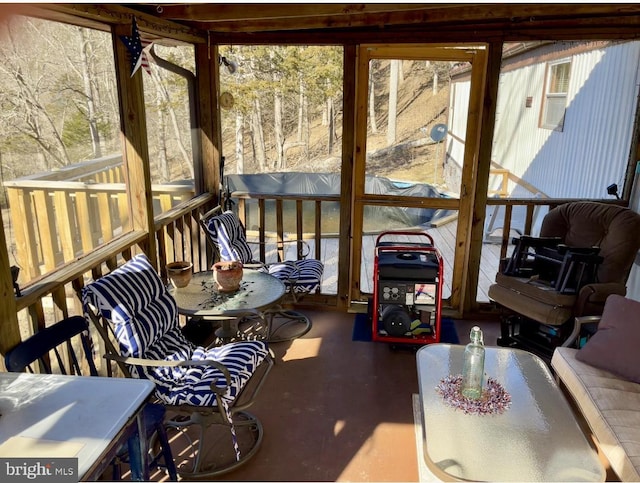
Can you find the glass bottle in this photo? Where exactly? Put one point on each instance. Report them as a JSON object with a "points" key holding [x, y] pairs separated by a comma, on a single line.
{"points": [[473, 368]]}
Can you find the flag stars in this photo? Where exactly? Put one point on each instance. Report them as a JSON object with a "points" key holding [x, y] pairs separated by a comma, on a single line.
{"points": [[134, 45]]}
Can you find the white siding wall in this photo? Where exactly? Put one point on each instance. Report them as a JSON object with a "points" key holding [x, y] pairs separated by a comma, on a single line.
{"points": [[592, 150], [456, 135]]}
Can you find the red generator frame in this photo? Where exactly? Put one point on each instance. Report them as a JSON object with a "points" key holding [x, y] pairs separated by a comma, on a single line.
{"points": [[407, 290]]}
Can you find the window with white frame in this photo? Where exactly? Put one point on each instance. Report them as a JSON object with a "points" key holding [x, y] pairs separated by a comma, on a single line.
{"points": [[555, 101]]}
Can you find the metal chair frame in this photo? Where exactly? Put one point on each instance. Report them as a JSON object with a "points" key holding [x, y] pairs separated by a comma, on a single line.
{"points": [[277, 317], [183, 416]]}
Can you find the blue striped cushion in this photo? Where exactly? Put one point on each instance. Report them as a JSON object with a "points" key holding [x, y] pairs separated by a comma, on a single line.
{"points": [[303, 276], [134, 298], [228, 234], [144, 318]]}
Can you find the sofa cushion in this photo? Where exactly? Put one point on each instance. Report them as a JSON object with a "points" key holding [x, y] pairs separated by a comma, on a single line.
{"points": [[516, 294], [611, 407], [614, 347]]}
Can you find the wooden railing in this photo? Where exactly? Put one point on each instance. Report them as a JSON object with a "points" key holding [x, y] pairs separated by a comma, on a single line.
{"points": [[531, 206], [56, 295], [286, 223], [179, 237], [58, 216], [503, 188]]}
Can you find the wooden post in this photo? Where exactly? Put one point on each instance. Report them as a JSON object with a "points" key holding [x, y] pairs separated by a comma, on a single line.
{"points": [[459, 281], [134, 141], [9, 329], [486, 117], [207, 87], [349, 77]]}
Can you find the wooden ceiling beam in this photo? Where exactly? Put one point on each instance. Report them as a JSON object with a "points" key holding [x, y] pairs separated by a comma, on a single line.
{"points": [[113, 14], [595, 28], [303, 17], [206, 12]]}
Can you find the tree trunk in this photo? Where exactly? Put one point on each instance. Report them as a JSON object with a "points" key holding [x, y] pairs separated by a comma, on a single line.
{"points": [[330, 125], [163, 162], [393, 101], [239, 144], [305, 126], [300, 108], [88, 92], [186, 159], [277, 127], [258, 137], [372, 103]]}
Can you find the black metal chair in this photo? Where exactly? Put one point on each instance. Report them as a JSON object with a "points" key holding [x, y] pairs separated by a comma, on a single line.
{"points": [[61, 340]]}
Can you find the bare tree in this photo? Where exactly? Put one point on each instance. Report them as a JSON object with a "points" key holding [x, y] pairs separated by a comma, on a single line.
{"points": [[278, 132], [393, 101], [88, 93], [373, 125], [258, 136], [166, 107], [239, 149], [300, 107]]}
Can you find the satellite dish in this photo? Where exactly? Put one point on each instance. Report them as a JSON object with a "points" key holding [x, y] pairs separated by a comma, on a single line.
{"points": [[438, 132]]}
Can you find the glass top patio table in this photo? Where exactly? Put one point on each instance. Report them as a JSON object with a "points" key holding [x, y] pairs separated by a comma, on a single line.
{"points": [[537, 438], [201, 298]]}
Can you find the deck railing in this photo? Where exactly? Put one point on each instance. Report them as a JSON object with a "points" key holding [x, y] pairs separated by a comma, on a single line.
{"points": [[178, 236], [274, 218], [535, 208], [61, 215], [56, 295]]}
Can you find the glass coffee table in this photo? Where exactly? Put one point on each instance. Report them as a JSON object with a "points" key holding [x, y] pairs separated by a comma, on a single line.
{"points": [[537, 437], [202, 300]]}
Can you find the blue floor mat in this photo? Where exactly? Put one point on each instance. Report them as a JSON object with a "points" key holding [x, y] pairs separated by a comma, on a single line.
{"points": [[362, 330]]}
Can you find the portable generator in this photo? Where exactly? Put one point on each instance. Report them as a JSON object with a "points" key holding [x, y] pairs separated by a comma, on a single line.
{"points": [[407, 290]]}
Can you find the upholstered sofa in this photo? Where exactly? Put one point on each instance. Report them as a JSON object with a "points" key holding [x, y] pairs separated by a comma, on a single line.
{"points": [[603, 379]]}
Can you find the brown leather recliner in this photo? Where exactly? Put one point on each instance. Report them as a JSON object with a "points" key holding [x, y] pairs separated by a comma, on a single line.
{"points": [[584, 254]]}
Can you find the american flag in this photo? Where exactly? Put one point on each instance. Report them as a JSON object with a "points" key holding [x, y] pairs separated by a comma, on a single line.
{"points": [[144, 58], [137, 48]]}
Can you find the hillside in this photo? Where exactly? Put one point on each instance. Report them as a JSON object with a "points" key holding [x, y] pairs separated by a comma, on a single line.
{"points": [[418, 110]]}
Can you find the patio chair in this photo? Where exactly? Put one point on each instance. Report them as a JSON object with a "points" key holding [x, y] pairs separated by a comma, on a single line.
{"points": [[63, 339], [201, 387], [227, 235], [584, 254]]}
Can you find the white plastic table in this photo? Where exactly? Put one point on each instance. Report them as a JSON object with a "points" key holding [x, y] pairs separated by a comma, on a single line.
{"points": [[536, 439], [46, 416]]}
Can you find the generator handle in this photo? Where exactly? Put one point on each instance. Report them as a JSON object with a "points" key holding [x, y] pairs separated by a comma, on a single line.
{"points": [[405, 233]]}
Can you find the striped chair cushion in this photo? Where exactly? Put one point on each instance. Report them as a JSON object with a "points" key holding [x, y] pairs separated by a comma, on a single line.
{"points": [[148, 328], [134, 298], [302, 276], [228, 234]]}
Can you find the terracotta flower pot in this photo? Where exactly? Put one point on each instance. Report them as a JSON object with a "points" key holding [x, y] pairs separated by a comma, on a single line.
{"points": [[227, 275], [180, 273]]}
